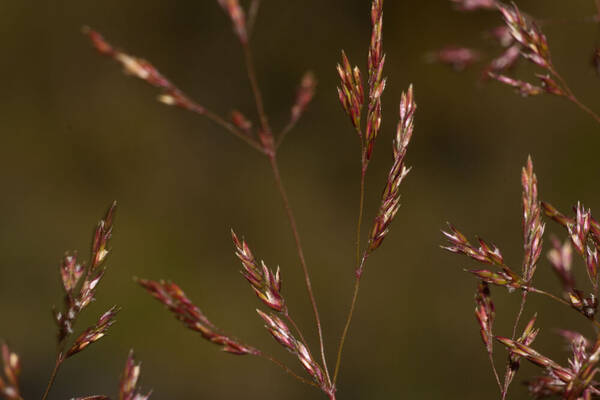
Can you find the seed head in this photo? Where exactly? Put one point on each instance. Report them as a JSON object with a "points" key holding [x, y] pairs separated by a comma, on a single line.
{"points": [[171, 295]]}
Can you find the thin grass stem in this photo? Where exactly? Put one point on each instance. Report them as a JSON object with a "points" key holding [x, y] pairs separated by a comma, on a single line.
{"points": [[293, 226], [57, 364], [358, 263], [507, 381], [288, 370]]}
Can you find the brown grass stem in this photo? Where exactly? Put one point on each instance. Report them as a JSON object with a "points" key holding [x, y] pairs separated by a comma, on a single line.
{"points": [[571, 96], [288, 370], [293, 226], [232, 129], [260, 108], [507, 379], [284, 132], [271, 153], [338, 361], [346, 328], [495, 371], [57, 364]]}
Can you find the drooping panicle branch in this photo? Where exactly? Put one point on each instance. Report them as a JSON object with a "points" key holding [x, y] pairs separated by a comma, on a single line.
{"points": [[170, 94], [172, 297]]}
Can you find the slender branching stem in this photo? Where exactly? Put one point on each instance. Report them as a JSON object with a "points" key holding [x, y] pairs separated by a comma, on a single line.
{"points": [[284, 132], [495, 371], [288, 370], [507, 381], [293, 226], [550, 295], [260, 108], [346, 328], [271, 154], [232, 129], [583, 107], [338, 360], [57, 364], [361, 206], [571, 96]]}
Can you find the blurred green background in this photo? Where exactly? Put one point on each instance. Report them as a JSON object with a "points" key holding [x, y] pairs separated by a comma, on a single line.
{"points": [[77, 134]]}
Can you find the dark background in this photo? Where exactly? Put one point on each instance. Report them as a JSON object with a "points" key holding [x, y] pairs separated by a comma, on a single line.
{"points": [[77, 134]]}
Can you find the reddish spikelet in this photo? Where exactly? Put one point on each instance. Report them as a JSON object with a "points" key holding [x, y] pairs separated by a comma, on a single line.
{"points": [[485, 313], [128, 388], [561, 259], [525, 89], [509, 279], [93, 333], [70, 272], [579, 230], [145, 71], [502, 35], [351, 92], [528, 35], [9, 386], [591, 262], [241, 122], [79, 295], [572, 336], [458, 58], [504, 62], [238, 18], [376, 62], [550, 86], [575, 382], [184, 310], [472, 5], [585, 305], [527, 337], [556, 215], [265, 283], [486, 253], [522, 350], [533, 228], [390, 202], [282, 334], [304, 95]]}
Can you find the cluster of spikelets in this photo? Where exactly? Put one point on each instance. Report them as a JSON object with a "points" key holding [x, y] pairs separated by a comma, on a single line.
{"points": [[519, 38], [80, 282], [575, 381]]}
